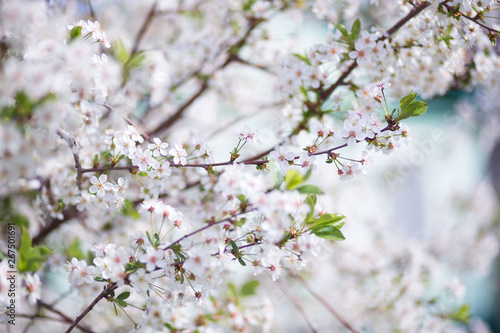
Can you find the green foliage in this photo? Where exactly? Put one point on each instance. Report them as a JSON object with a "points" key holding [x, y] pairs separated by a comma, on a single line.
{"points": [[311, 201], [303, 58], [463, 314], [74, 250], [248, 5], [30, 257], [356, 29], [10, 215], [350, 37], [293, 179], [75, 33], [410, 108], [129, 210], [249, 288], [309, 189], [328, 226]]}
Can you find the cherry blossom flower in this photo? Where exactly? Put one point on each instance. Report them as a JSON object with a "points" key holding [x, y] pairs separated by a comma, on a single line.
{"points": [[282, 156], [158, 147], [100, 186], [179, 154], [33, 287]]}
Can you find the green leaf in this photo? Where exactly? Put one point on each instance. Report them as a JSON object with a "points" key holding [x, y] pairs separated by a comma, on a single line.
{"points": [[463, 314], [74, 250], [249, 288], [311, 201], [303, 58], [129, 210], [121, 303], [149, 238], [328, 232], [248, 5], [342, 30], [232, 288], [420, 107], [75, 33], [242, 262], [119, 51], [335, 220], [308, 174], [293, 179], [124, 295], [234, 246], [356, 28], [309, 189], [136, 60], [407, 100], [30, 257], [143, 173]]}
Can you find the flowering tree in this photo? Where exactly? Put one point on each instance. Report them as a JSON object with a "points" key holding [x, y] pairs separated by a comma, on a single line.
{"points": [[167, 154]]}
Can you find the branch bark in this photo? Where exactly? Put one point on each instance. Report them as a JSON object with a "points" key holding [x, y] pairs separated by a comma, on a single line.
{"points": [[204, 85]]}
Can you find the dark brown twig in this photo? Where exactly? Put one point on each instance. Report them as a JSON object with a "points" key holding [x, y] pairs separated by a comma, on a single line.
{"points": [[105, 293]]}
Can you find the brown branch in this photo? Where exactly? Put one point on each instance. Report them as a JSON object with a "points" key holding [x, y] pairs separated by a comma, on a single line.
{"points": [[204, 85], [178, 114], [105, 293], [68, 214], [476, 21], [340, 81], [318, 297], [64, 317], [144, 27], [284, 288], [78, 165], [227, 219]]}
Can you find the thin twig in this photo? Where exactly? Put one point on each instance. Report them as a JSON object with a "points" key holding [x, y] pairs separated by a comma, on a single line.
{"points": [[284, 288], [78, 165], [451, 8], [103, 294], [144, 27], [327, 305], [340, 81], [63, 316], [204, 85]]}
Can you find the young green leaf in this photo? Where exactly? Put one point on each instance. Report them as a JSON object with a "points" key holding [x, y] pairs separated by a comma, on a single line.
{"points": [[249, 288], [335, 220], [342, 30], [356, 28], [124, 295], [420, 107], [309, 189], [293, 179], [328, 232], [75, 33], [407, 100]]}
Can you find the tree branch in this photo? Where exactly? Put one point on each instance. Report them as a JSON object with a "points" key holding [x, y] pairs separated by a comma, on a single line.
{"points": [[318, 297], [144, 27], [78, 165], [476, 21], [296, 303], [103, 294], [63, 316], [69, 213], [204, 86]]}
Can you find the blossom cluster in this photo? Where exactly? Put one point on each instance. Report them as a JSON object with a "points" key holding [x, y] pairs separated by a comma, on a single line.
{"points": [[107, 136]]}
